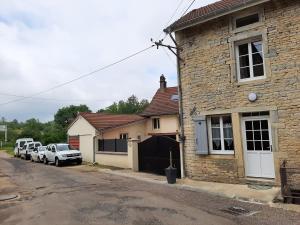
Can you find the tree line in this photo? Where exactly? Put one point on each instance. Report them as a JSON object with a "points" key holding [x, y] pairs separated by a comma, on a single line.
{"points": [[56, 131]]}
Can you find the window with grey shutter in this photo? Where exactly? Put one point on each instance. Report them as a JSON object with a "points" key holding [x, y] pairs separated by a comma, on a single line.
{"points": [[201, 136]]}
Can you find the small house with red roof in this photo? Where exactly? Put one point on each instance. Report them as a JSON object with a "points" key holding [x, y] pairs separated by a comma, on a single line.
{"points": [[104, 138], [163, 113]]}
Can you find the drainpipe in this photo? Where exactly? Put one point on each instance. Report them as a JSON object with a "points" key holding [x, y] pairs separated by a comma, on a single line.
{"points": [[94, 151], [181, 123]]}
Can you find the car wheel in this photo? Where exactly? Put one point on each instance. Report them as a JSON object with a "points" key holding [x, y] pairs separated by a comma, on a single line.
{"points": [[79, 162], [45, 161], [57, 162], [38, 159]]}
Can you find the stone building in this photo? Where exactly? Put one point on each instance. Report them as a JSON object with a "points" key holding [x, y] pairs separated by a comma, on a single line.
{"points": [[240, 89]]}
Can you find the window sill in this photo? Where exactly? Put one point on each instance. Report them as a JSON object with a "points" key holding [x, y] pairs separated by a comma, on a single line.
{"points": [[221, 153], [252, 81], [221, 156], [112, 153]]}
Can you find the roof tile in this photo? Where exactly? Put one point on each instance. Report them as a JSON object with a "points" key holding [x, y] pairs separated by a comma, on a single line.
{"points": [[103, 121], [162, 104], [207, 11]]}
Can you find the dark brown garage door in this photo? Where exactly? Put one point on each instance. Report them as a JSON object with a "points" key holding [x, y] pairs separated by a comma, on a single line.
{"points": [[74, 141]]}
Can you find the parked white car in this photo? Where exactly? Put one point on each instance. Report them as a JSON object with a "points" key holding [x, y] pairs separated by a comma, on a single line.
{"points": [[61, 153], [25, 152], [37, 154], [19, 145]]}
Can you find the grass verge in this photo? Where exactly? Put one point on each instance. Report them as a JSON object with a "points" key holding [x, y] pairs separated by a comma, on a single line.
{"points": [[103, 166], [8, 150]]}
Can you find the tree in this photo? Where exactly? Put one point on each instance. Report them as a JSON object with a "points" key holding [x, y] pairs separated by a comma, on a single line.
{"points": [[32, 128], [53, 133], [131, 106], [66, 115]]}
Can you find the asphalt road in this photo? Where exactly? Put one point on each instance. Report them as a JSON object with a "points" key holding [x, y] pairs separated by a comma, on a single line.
{"points": [[73, 195]]}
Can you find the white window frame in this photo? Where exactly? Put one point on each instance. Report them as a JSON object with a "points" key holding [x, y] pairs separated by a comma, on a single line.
{"points": [[153, 119], [249, 41], [246, 13], [209, 127], [124, 134]]}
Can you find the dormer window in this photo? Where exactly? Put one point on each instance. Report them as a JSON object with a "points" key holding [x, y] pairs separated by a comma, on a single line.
{"points": [[246, 20]]}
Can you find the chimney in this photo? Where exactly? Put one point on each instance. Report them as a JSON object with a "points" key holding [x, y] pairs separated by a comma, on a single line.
{"points": [[163, 83]]}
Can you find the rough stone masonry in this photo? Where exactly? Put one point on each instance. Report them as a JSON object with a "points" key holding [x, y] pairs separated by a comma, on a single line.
{"points": [[209, 84]]}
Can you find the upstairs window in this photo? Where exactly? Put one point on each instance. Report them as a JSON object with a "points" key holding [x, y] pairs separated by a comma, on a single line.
{"points": [[155, 123], [250, 61], [124, 136], [246, 20]]}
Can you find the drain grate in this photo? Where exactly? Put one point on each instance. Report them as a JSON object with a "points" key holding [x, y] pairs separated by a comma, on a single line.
{"points": [[236, 211]]}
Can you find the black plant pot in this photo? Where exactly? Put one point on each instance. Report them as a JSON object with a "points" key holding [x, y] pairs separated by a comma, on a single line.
{"points": [[171, 174]]}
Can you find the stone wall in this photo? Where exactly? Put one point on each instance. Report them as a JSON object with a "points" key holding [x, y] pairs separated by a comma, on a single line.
{"points": [[209, 84]]}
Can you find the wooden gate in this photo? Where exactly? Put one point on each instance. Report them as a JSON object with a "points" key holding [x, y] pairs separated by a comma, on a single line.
{"points": [[154, 155]]}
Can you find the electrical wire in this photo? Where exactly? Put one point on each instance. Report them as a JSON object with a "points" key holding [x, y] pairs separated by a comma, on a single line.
{"points": [[169, 57], [51, 99], [188, 8], [79, 77], [172, 16]]}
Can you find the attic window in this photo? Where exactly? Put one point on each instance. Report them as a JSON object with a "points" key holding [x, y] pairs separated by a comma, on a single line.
{"points": [[246, 20], [174, 97]]}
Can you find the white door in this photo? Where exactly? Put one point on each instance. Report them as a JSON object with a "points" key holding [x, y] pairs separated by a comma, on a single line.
{"points": [[258, 153]]}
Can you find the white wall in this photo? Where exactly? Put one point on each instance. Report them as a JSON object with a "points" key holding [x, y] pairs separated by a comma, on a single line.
{"points": [[168, 124], [113, 159], [86, 132], [133, 130]]}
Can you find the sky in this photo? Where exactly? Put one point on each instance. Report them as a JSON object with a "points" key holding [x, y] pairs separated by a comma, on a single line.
{"points": [[46, 43]]}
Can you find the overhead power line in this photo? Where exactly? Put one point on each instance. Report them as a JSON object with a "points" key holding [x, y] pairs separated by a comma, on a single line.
{"points": [[79, 77], [52, 99], [172, 16], [188, 8]]}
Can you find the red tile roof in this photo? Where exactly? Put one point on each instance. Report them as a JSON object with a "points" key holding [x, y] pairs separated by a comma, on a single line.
{"points": [[103, 121], [162, 104], [209, 12]]}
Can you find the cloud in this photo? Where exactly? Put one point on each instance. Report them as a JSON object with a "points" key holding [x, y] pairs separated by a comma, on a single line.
{"points": [[45, 43]]}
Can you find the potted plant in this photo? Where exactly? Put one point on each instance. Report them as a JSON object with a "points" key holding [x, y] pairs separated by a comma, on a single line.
{"points": [[171, 172]]}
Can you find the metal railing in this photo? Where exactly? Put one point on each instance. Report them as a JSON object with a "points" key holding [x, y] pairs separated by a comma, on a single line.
{"points": [[290, 183], [112, 145]]}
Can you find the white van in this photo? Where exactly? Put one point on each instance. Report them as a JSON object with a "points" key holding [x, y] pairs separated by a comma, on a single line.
{"points": [[25, 152], [19, 145]]}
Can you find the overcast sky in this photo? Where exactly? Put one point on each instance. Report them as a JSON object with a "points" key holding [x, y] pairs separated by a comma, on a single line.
{"points": [[45, 43]]}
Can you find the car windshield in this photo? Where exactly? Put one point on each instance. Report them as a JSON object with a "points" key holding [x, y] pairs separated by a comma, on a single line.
{"points": [[41, 149], [64, 147], [30, 146], [22, 143], [37, 145]]}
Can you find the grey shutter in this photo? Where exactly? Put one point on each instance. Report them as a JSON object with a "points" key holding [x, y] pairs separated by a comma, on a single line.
{"points": [[201, 136]]}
